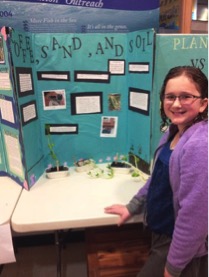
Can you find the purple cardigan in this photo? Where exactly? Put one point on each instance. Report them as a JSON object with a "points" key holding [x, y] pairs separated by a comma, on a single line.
{"points": [[188, 170]]}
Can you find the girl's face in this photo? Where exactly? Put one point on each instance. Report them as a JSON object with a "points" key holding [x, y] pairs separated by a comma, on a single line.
{"points": [[182, 111]]}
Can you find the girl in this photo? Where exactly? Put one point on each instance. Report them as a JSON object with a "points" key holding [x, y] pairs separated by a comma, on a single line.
{"points": [[175, 196]]}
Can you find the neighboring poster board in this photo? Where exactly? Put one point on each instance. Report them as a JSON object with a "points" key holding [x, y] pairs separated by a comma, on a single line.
{"points": [[174, 50]]}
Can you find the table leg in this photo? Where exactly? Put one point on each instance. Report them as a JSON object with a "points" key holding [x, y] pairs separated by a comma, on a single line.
{"points": [[1, 268], [58, 244]]}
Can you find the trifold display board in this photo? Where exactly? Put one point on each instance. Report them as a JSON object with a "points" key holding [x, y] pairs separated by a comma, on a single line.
{"points": [[94, 91]]}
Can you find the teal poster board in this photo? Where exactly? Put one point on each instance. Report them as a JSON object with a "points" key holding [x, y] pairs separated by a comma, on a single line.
{"points": [[86, 88], [140, 76], [25, 99]]}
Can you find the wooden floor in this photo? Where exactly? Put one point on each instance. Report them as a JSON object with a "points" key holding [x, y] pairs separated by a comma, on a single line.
{"points": [[40, 261]]}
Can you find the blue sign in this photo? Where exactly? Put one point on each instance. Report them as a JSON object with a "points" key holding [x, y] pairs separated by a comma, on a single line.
{"points": [[80, 16], [131, 5]]}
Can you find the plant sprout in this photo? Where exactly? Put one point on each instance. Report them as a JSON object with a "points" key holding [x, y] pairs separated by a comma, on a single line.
{"points": [[136, 172], [51, 147]]}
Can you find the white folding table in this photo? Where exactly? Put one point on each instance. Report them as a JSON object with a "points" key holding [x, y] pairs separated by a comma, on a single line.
{"points": [[76, 201], [9, 194]]}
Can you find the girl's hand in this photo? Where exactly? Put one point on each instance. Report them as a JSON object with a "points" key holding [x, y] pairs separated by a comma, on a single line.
{"points": [[167, 274], [120, 210]]}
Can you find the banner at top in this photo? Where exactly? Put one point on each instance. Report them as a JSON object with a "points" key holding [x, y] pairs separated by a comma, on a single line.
{"points": [[79, 16], [130, 5]]}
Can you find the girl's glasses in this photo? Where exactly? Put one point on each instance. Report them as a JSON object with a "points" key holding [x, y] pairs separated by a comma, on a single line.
{"points": [[185, 99]]}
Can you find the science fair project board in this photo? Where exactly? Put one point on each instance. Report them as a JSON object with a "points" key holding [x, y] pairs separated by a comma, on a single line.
{"points": [[94, 91], [84, 87]]}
